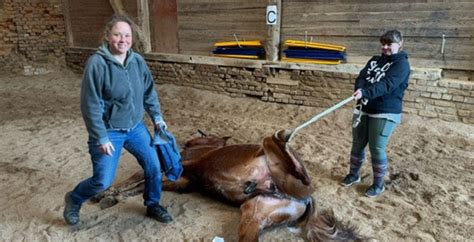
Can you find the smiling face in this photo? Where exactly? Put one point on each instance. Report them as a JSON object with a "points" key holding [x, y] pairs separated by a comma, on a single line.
{"points": [[120, 38], [392, 42], [391, 48]]}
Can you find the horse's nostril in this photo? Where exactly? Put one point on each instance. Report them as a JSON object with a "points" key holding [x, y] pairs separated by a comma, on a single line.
{"points": [[250, 187]]}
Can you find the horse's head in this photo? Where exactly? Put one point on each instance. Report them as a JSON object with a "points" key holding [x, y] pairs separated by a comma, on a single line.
{"points": [[288, 172]]}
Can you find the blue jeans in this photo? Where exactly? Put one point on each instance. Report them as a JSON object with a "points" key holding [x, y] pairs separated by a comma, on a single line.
{"points": [[138, 142]]}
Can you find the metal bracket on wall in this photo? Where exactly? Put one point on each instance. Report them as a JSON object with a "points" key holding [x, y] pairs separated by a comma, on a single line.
{"points": [[443, 43]]}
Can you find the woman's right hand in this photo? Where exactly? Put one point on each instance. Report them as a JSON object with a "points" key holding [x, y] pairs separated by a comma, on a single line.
{"points": [[357, 94], [107, 148]]}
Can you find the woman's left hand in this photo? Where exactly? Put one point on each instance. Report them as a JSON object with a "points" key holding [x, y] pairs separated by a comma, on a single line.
{"points": [[161, 124]]}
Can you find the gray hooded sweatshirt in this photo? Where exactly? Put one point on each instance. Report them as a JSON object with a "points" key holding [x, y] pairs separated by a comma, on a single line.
{"points": [[115, 96]]}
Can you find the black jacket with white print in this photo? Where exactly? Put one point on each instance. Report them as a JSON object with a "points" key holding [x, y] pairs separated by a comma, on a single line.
{"points": [[383, 82]]}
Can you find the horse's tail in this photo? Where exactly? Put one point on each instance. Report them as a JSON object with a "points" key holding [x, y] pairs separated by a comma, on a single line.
{"points": [[324, 226]]}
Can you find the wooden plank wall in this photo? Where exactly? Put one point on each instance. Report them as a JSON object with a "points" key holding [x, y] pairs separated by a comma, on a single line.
{"points": [[357, 24], [203, 22]]}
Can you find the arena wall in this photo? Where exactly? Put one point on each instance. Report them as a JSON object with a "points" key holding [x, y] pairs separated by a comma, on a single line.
{"points": [[428, 95]]}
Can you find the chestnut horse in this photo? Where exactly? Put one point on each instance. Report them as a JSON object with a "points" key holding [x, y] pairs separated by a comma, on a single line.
{"points": [[267, 181]]}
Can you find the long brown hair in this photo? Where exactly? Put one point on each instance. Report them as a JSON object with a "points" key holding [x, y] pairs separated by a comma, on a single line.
{"points": [[112, 21]]}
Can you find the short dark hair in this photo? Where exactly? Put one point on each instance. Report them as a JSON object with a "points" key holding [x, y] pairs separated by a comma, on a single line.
{"points": [[391, 36]]}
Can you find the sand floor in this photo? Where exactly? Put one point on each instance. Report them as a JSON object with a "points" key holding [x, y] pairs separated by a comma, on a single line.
{"points": [[43, 152]]}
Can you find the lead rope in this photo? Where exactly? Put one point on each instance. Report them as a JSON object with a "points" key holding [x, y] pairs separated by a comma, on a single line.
{"points": [[358, 107], [318, 116]]}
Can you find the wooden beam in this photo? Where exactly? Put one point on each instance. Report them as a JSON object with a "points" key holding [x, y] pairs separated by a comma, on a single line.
{"points": [[352, 68], [67, 23], [144, 21], [206, 60]]}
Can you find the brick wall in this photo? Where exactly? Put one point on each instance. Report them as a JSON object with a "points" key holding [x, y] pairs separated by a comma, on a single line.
{"points": [[451, 100], [32, 35], [428, 95]]}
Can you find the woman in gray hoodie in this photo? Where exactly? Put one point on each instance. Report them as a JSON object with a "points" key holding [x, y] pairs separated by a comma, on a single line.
{"points": [[117, 89]]}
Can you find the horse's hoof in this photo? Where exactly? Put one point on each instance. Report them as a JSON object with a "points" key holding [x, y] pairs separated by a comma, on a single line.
{"points": [[108, 202], [96, 198]]}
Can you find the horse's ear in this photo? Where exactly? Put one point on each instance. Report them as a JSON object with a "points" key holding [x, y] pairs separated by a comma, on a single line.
{"points": [[287, 172], [202, 133]]}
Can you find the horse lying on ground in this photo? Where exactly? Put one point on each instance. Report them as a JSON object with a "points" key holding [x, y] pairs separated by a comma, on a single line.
{"points": [[267, 181]]}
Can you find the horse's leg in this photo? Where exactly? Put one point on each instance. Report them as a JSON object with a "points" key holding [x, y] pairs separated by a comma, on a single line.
{"points": [[129, 187], [135, 185], [132, 189], [129, 183], [262, 212], [183, 184], [138, 178]]}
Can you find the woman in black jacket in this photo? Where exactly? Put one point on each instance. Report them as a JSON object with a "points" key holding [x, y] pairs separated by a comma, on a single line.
{"points": [[379, 87]]}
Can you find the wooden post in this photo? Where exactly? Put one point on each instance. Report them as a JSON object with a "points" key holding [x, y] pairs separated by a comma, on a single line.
{"points": [[272, 45], [144, 21], [67, 24]]}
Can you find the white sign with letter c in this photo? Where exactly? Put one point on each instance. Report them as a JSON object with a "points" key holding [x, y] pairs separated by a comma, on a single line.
{"points": [[272, 15]]}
